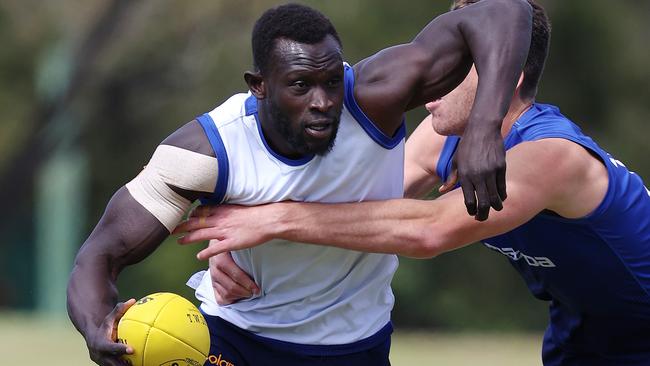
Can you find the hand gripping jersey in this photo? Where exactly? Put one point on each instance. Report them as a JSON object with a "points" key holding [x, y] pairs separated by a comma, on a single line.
{"points": [[311, 295], [595, 271]]}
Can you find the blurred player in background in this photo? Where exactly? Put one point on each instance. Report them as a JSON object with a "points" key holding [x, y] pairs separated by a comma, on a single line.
{"points": [[576, 224], [279, 142]]}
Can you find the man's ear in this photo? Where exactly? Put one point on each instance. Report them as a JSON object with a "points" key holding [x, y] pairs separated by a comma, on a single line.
{"points": [[255, 84]]}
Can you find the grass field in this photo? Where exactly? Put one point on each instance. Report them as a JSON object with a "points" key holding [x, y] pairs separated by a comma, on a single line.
{"points": [[26, 341]]}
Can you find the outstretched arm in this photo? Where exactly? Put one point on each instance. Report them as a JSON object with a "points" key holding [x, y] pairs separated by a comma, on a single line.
{"points": [[127, 233], [409, 227], [492, 34]]}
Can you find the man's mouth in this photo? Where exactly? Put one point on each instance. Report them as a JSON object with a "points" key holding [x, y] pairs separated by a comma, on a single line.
{"points": [[319, 129], [431, 106]]}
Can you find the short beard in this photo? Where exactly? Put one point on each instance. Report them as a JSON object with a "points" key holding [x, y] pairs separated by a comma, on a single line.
{"points": [[296, 139]]}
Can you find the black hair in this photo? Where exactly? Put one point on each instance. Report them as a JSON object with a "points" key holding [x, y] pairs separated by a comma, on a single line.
{"points": [[296, 22], [538, 52]]}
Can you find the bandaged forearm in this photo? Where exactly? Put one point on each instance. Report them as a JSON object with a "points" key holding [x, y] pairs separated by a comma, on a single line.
{"points": [[172, 166]]}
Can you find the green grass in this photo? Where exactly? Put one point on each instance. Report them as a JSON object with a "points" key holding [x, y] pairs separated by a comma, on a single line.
{"points": [[460, 349], [28, 340]]}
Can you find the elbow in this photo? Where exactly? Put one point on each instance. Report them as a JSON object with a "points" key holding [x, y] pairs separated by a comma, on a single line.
{"points": [[83, 261], [518, 6], [520, 10], [429, 243], [77, 269], [425, 245], [517, 12], [80, 271], [91, 262], [75, 283]]}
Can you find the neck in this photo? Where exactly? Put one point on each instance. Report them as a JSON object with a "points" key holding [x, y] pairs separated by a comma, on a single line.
{"points": [[517, 108]]}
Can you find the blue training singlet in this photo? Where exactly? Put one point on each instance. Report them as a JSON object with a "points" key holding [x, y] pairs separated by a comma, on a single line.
{"points": [[595, 271]]}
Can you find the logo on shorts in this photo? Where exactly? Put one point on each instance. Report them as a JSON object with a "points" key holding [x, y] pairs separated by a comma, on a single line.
{"points": [[219, 361], [516, 255]]}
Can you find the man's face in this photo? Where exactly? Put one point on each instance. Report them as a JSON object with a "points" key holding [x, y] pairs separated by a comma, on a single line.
{"points": [[450, 113], [305, 90]]}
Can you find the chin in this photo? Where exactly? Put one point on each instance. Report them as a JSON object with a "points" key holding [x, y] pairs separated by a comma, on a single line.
{"points": [[321, 150], [322, 146], [441, 130], [447, 129]]}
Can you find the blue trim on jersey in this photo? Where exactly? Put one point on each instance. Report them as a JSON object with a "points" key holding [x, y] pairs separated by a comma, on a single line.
{"points": [[222, 327], [216, 142], [251, 109], [376, 134], [443, 168]]}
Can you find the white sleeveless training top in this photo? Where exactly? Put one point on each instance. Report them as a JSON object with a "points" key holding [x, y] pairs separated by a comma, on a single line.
{"points": [[310, 294]]}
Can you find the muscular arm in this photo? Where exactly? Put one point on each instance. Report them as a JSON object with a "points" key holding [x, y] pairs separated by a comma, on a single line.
{"points": [[126, 234], [492, 34], [546, 174], [495, 36]]}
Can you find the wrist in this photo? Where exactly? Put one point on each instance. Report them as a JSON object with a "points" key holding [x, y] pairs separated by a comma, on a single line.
{"points": [[480, 129], [482, 123], [280, 223], [89, 333]]}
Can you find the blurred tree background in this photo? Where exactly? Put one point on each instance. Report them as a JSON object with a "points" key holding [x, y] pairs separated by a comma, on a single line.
{"points": [[88, 89]]}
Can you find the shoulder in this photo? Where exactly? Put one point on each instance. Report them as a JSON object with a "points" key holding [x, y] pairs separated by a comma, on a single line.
{"points": [[192, 137], [570, 179], [552, 157], [198, 135]]}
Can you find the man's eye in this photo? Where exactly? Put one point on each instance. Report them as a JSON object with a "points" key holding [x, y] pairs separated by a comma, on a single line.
{"points": [[334, 82], [299, 84]]}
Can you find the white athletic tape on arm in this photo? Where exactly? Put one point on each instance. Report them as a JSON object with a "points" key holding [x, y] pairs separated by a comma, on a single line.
{"points": [[177, 167]]}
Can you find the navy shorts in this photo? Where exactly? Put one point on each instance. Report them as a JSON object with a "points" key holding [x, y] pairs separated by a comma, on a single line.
{"points": [[232, 346], [554, 354]]}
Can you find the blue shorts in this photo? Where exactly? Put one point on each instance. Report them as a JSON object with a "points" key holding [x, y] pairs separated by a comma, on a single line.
{"points": [[554, 354], [232, 346]]}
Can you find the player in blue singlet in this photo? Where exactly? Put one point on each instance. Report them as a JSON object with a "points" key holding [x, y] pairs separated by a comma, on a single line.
{"points": [[594, 269], [576, 224]]}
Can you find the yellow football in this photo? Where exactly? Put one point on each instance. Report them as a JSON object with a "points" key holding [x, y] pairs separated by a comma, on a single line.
{"points": [[164, 329]]}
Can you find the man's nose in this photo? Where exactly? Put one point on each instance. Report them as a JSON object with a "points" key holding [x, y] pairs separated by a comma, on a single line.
{"points": [[321, 100]]}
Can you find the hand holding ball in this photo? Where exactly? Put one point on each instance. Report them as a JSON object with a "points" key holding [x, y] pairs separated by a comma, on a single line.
{"points": [[164, 329]]}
